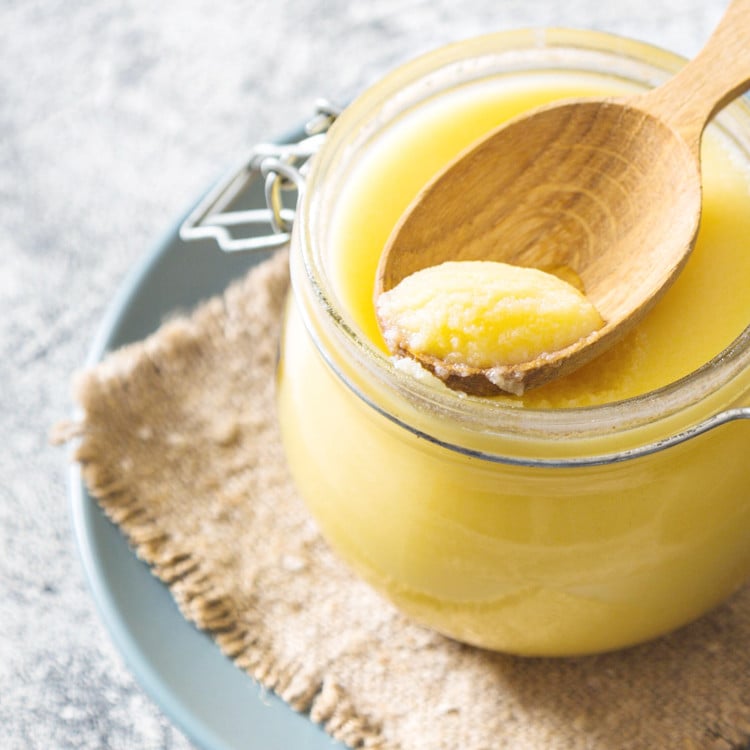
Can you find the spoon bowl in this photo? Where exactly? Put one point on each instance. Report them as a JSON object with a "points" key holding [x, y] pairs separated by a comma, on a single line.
{"points": [[604, 192]]}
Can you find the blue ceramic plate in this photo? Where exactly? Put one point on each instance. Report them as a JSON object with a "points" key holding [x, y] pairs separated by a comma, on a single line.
{"points": [[215, 704]]}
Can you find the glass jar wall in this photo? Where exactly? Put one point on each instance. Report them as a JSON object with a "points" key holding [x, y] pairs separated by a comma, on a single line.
{"points": [[559, 524]]}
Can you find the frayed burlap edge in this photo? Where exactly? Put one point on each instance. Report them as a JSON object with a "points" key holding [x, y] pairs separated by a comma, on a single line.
{"points": [[193, 588]]}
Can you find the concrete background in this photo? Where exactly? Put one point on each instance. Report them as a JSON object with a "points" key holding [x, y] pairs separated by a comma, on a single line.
{"points": [[114, 116]]}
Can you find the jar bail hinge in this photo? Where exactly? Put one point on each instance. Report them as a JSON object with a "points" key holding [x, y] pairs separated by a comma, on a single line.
{"points": [[281, 167]]}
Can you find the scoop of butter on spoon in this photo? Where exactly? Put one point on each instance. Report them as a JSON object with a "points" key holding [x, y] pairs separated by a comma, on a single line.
{"points": [[606, 192], [465, 317]]}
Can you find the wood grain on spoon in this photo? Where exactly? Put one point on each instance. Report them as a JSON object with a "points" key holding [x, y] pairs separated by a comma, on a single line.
{"points": [[610, 189]]}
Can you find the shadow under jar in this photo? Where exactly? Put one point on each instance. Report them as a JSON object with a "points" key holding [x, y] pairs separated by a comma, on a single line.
{"points": [[596, 512]]}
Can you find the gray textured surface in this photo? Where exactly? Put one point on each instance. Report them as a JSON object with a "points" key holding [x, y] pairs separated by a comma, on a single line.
{"points": [[113, 117]]}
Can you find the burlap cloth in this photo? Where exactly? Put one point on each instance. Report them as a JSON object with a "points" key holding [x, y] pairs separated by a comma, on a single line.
{"points": [[179, 444]]}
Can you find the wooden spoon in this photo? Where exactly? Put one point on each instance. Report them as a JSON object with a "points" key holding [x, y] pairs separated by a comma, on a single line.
{"points": [[609, 189]]}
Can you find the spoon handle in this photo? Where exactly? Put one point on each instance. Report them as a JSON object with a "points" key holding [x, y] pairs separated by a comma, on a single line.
{"points": [[717, 75]]}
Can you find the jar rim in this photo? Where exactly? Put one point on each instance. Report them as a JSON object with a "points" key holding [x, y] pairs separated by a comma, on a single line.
{"points": [[567, 48]]}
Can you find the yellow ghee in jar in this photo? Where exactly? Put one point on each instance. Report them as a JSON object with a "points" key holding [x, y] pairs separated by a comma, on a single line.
{"points": [[703, 312], [486, 534]]}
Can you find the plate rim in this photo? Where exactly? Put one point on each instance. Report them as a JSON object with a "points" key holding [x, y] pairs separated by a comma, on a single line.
{"points": [[148, 678], [82, 510]]}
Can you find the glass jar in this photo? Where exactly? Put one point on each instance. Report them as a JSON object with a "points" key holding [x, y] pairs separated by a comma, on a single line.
{"points": [[534, 531]]}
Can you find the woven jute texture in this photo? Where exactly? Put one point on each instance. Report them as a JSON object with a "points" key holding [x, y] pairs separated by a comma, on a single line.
{"points": [[179, 444]]}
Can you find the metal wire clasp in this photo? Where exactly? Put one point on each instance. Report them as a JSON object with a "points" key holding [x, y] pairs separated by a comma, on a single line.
{"points": [[282, 168]]}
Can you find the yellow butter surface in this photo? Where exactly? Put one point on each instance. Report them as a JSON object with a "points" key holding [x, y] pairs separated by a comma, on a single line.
{"points": [[483, 314], [701, 314]]}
